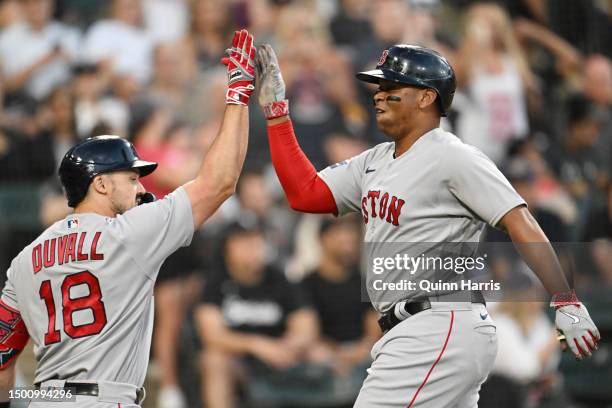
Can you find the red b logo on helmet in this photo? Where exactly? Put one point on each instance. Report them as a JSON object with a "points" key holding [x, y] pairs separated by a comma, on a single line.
{"points": [[383, 58]]}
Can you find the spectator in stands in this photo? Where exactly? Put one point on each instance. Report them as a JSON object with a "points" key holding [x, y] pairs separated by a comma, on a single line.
{"points": [[26, 157], [59, 127], [175, 84], [597, 81], [319, 82], [58, 122], [10, 13], [166, 20], [351, 26], [597, 87], [256, 203], [36, 53], [495, 77], [388, 22], [521, 175], [347, 323], [581, 165], [210, 112], [599, 224], [549, 191], [422, 28], [120, 44], [598, 235], [528, 349], [158, 137], [251, 314], [211, 26], [93, 106]]}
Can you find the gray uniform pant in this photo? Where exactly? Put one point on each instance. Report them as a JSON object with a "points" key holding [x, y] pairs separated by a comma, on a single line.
{"points": [[110, 395], [437, 358]]}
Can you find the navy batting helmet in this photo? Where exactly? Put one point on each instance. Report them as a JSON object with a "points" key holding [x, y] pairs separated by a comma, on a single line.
{"points": [[94, 156], [416, 66]]}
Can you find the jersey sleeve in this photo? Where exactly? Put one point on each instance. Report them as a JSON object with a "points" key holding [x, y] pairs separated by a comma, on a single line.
{"points": [[344, 180], [151, 232], [478, 184]]}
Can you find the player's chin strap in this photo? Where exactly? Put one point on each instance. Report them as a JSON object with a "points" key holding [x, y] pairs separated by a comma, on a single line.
{"points": [[145, 198]]}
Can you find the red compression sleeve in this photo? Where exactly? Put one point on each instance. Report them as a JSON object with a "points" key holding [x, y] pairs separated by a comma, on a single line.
{"points": [[305, 190]]}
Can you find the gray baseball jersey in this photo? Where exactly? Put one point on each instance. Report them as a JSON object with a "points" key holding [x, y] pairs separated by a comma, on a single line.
{"points": [[84, 289], [439, 191]]}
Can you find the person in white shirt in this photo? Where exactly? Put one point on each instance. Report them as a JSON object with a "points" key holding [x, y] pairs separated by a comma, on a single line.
{"points": [[120, 43], [528, 349], [166, 20], [36, 53], [495, 80]]}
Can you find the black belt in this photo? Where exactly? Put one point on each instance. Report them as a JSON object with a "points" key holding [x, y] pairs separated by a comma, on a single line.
{"points": [[389, 320], [92, 390]]}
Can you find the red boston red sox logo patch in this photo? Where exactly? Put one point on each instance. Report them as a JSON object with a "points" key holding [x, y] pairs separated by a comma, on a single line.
{"points": [[383, 57]]}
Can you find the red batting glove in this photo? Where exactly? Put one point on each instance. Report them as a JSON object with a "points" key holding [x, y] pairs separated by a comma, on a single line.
{"points": [[240, 69]]}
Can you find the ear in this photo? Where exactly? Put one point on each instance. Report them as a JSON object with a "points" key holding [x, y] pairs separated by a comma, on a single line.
{"points": [[428, 97], [101, 184]]}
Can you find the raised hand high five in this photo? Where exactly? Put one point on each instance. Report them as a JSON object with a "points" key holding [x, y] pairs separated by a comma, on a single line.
{"points": [[271, 84], [240, 68]]}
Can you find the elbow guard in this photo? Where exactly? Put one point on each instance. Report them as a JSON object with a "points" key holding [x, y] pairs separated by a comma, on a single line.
{"points": [[13, 334]]}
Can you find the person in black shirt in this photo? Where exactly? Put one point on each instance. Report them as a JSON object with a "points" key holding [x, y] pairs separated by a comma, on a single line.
{"points": [[347, 322], [249, 310]]}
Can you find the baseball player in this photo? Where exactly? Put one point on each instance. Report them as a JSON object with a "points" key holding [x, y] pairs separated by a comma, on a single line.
{"points": [[424, 186], [83, 290]]}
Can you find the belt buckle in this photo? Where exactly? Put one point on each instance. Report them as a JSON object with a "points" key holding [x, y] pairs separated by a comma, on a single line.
{"points": [[400, 312]]}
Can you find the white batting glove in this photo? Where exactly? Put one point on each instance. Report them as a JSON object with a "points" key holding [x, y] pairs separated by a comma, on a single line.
{"points": [[573, 321], [271, 84]]}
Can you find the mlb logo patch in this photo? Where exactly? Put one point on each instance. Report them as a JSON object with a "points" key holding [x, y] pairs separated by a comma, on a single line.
{"points": [[73, 223]]}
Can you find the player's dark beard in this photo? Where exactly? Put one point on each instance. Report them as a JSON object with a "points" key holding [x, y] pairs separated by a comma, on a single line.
{"points": [[117, 207]]}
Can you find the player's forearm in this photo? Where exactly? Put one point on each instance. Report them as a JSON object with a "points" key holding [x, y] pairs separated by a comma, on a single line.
{"points": [[218, 175], [535, 249], [305, 190], [224, 160]]}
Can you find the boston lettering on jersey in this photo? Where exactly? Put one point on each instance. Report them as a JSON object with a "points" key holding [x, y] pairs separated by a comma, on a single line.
{"points": [[383, 206], [67, 248]]}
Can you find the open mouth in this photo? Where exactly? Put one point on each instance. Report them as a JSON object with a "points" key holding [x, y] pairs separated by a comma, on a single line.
{"points": [[378, 109]]}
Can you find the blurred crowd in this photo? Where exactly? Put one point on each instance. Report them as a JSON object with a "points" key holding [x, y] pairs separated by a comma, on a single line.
{"points": [[265, 306]]}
